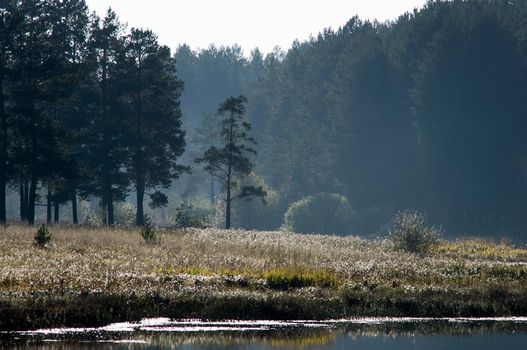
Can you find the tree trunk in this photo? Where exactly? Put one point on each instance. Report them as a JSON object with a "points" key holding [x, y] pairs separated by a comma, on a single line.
{"points": [[140, 189], [33, 162], [139, 170], [3, 160], [111, 215], [48, 208], [56, 217], [139, 215], [32, 201], [106, 180], [212, 194], [104, 214], [105, 203], [3, 215], [107, 198], [74, 212], [229, 175], [228, 210], [23, 203], [24, 199], [3, 154]]}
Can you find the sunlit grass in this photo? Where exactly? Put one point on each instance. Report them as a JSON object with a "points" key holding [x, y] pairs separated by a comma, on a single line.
{"points": [[481, 249], [299, 277], [340, 275], [118, 259]]}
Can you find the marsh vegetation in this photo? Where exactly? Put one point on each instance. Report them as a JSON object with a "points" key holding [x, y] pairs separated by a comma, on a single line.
{"points": [[94, 276]]}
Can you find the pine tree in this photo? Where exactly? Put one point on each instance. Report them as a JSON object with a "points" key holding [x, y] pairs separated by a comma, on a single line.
{"points": [[8, 21], [232, 162], [155, 139], [39, 87], [105, 150]]}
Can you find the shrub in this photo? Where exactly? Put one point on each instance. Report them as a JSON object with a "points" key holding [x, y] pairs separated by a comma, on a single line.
{"points": [[410, 232], [42, 237], [257, 214], [91, 217], [124, 213], [188, 217], [321, 213], [149, 234]]}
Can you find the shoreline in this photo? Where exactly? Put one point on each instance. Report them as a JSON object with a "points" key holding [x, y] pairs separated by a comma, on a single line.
{"points": [[94, 310], [290, 333]]}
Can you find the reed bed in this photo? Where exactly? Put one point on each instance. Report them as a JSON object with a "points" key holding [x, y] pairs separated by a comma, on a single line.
{"points": [[92, 275]]}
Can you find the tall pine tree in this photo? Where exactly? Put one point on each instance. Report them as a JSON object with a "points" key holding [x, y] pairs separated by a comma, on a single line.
{"points": [[231, 162], [154, 136]]}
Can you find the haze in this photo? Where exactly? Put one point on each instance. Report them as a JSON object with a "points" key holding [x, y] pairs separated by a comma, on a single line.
{"points": [[263, 24]]}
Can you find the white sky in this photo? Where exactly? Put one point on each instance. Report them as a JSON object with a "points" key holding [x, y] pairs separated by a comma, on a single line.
{"points": [[249, 23]]}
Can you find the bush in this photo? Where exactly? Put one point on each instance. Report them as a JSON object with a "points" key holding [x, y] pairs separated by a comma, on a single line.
{"points": [[124, 213], [256, 214], [149, 234], [187, 216], [410, 232], [321, 213], [42, 237], [90, 216]]}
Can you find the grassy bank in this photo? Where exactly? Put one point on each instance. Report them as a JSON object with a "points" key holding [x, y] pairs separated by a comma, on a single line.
{"points": [[96, 276]]}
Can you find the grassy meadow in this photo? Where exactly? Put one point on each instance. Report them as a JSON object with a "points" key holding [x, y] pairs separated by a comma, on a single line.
{"points": [[95, 276]]}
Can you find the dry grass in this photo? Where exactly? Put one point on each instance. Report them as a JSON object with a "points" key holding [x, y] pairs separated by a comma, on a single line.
{"points": [[474, 249], [113, 259], [117, 261]]}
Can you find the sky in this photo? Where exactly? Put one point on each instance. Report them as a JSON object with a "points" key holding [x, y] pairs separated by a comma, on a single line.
{"points": [[248, 23]]}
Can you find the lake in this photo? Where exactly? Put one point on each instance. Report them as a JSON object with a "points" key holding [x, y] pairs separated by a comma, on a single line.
{"points": [[360, 333]]}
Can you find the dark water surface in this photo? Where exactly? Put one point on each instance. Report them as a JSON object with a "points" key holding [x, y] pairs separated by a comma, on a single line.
{"points": [[364, 334]]}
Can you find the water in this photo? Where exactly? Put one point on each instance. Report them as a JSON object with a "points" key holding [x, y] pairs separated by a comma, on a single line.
{"points": [[364, 334]]}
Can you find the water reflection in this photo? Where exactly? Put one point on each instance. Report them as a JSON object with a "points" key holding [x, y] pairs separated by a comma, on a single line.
{"points": [[429, 335]]}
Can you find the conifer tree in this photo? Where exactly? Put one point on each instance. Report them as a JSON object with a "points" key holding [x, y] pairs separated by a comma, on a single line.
{"points": [[154, 137], [105, 150], [231, 162]]}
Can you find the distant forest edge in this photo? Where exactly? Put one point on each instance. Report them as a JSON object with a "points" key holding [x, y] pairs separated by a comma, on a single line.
{"points": [[427, 112]]}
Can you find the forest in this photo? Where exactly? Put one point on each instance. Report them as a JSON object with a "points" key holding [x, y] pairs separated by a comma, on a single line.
{"points": [[426, 112]]}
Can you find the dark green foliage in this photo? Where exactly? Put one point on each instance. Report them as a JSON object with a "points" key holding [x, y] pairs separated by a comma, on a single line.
{"points": [[8, 23], [104, 152], [410, 232], [427, 112], [42, 237], [158, 200], [80, 102], [40, 81], [154, 138], [320, 213], [231, 162]]}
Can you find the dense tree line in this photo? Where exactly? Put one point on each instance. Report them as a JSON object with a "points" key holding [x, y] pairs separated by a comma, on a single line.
{"points": [[425, 112], [86, 108]]}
